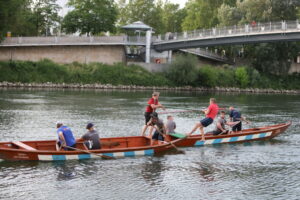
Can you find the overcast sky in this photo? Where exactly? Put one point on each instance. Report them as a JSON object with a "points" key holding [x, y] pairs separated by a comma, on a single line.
{"points": [[64, 11]]}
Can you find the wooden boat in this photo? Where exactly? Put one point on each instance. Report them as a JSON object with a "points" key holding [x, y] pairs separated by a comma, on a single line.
{"points": [[246, 135], [46, 150]]}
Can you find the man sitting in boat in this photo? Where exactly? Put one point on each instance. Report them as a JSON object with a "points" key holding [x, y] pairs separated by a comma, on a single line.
{"points": [[65, 137], [220, 126], [91, 138], [210, 113], [171, 125], [236, 116]]}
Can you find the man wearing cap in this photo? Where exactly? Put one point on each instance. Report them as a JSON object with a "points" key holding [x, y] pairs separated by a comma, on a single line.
{"points": [[65, 137], [153, 104], [91, 138]]}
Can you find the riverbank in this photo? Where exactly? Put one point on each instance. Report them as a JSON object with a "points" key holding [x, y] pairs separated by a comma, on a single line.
{"points": [[136, 87], [182, 75]]}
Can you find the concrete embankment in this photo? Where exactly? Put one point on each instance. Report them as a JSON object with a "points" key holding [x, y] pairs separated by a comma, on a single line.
{"points": [[134, 87]]}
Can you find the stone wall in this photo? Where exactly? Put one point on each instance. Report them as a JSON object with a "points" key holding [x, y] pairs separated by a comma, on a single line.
{"points": [[66, 54]]}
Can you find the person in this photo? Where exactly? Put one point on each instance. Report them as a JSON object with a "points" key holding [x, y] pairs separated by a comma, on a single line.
{"points": [[91, 138], [171, 125], [65, 137], [160, 130], [236, 116], [220, 126], [153, 104], [210, 113], [150, 123]]}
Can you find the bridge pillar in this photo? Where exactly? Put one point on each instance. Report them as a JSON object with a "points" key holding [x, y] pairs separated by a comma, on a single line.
{"points": [[170, 56], [148, 45]]}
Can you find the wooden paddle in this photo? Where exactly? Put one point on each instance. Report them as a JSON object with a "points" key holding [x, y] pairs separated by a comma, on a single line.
{"points": [[173, 145], [88, 152]]}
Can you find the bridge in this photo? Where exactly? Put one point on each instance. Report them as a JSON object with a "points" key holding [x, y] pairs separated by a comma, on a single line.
{"points": [[110, 49], [244, 34]]}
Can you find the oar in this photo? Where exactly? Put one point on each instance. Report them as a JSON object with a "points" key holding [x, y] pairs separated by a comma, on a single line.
{"points": [[173, 145], [181, 111], [88, 152]]}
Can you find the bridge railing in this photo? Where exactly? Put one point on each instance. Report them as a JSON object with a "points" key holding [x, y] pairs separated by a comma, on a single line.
{"points": [[247, 29], [63, 40]]}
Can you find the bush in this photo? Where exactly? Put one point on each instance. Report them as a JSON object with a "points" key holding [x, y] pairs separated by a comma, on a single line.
{"points": [[183, 70], [207, 76], [48, 71], [242, 77]]}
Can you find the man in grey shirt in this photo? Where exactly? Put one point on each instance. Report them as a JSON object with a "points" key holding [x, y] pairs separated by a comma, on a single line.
{"points": [[91, 138], [220, 127], [171, 125]]}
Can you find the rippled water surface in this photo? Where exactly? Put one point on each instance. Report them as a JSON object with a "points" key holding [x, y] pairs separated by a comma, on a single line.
{"points": [[258, 170]]}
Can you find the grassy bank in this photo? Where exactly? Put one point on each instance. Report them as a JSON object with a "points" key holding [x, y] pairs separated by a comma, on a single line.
{"points": [[182, 72], [47, 71]]}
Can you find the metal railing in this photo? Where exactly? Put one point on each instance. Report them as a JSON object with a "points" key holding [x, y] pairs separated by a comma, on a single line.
{"points": [[63, 40], [247, 29], [208, 54]]}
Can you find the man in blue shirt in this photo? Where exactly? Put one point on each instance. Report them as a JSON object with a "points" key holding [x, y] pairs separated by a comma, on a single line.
{"points": [[65, 137], [235, 116]]}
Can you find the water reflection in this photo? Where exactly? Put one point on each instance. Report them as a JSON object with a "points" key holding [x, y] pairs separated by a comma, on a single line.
{"points": [[152, 171]]}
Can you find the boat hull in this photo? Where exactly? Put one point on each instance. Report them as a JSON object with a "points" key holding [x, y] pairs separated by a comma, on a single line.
{"points": [[247, 135], [53, 155]]}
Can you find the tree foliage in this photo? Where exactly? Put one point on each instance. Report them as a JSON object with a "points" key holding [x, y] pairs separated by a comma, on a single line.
{"points": [[90, 17]]}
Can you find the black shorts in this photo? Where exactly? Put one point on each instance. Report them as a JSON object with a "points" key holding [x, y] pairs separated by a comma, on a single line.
{"points": [[157, 136], [206, 121], [147, 117], [237, 127], [218, 132]]}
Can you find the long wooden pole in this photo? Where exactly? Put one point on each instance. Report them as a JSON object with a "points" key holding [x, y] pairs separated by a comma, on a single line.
{"points": [[86, 151]]}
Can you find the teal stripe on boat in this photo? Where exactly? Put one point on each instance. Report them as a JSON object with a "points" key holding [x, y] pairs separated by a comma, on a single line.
{"points": [[149, 152], [233, 139], [249, 137], [84, 156], [129, 154], [217, 141], [58, 157], [262, 135], [108, 154], [199, 143]]}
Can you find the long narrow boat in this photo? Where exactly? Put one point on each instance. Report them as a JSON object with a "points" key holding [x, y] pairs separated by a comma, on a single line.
{"points": [[246, 135], [46, 150]]}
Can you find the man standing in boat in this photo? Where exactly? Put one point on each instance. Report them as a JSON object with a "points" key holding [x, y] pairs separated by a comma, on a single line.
{"points": [[236, 116], [210, 113], [153, 104], [65, 137]]}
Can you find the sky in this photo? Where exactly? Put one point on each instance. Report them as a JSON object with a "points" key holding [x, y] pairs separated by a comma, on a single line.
{"points": [[64, 11]]}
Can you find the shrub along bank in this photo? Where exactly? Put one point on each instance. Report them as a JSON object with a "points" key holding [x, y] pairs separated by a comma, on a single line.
{"points": [[182, 72], [226, 76], [48, 71]]}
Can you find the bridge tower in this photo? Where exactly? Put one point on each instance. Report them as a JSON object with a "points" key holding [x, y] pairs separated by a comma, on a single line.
{"points": [[139, 27]]}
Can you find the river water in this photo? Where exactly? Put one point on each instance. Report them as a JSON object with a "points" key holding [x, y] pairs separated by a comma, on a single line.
{"points": [[258, 170]]}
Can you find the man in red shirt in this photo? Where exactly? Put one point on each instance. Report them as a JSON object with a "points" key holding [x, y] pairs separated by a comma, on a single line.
{"points": [[153, 104], [210, 113]]}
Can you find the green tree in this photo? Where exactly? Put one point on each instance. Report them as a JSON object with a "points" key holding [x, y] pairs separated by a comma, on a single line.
{"points": [[45, 16], [242, 77], [15, 17], [146, 11], [90, 17], [172, 17], [201, 14], [183, 70]]}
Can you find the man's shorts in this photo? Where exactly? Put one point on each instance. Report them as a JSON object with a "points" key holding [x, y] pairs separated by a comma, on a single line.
{"points": [[157, 136], [206, 121], [147, 117]]}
